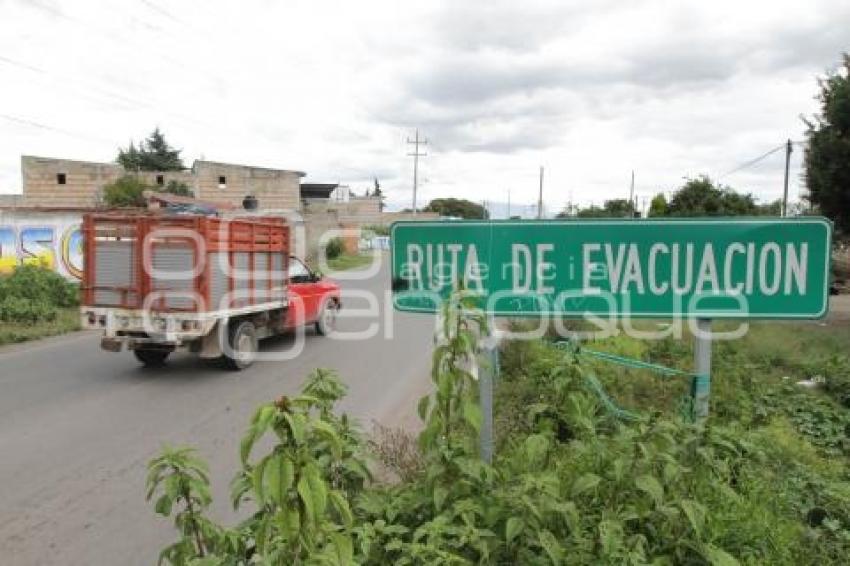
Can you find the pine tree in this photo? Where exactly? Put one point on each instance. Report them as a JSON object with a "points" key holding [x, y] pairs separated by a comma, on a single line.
{"points": [[153, 154]]}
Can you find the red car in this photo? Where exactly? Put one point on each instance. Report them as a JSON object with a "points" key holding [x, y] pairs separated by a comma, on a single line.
{"points": [[312, 298]]}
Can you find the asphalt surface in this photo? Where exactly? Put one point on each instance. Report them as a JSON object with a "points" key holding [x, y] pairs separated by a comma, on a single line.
{"points": [[78, 425]]}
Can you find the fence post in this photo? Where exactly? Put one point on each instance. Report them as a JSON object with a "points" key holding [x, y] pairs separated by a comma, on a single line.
{"points": [[701, 388]]}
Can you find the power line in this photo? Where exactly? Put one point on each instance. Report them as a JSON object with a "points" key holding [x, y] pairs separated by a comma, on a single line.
{"points": [[41, 126], [752, 162]]}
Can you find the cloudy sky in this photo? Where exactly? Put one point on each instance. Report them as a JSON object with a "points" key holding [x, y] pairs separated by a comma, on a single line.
{"points": [[590, 90]]}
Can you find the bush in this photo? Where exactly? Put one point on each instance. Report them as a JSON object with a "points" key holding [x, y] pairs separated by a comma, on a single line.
{"points": [[33, 294], [334, 248], [19, 309], [126, 191]]}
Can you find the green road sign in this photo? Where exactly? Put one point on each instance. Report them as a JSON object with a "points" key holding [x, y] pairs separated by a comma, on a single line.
{"points": [[703, 267]]}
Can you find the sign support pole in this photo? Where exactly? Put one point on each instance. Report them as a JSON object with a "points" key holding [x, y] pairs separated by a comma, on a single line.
{"points": [[487, 373], [701, 388]]}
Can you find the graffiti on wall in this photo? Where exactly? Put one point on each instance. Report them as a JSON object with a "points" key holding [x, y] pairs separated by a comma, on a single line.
{"points": [[55, 245]]}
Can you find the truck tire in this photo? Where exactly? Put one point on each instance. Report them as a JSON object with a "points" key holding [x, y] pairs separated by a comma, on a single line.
{"points": [[243, 342], [326, 322], [151, 358]]}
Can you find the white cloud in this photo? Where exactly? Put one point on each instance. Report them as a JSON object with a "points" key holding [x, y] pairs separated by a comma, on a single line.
{"points": [[590, 90]]}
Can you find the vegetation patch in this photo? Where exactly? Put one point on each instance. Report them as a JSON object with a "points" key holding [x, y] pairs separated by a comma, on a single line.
{"points": [[36, 302], [765, 482], [345, 262]]}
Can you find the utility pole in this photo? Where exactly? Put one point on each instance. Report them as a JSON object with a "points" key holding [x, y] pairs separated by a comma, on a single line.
{"points": [[509, 203], [416, 155], [632, 194], [540, 196], [788, 149]]}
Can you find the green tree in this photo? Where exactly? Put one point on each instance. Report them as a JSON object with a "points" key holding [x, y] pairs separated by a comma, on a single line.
{"points": [[379, 194], [615, 208], [827, 157], [658, 206], [458, 207], [153, 154], [771, 209], [701, 197]]}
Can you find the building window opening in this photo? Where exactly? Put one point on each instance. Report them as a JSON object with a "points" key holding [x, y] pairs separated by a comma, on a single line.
{"points": [[160, 180], [61, 179], [222, 181]]}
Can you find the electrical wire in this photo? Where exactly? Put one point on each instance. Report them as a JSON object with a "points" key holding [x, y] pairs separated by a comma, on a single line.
{"points": [[752, 162], [34, 124]]}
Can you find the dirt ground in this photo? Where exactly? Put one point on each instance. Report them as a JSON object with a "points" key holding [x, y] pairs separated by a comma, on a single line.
{"points": [[839, 309]]}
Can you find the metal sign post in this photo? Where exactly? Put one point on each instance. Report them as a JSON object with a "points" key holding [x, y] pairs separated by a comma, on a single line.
{"points": [[488, 371], [702, 367]]}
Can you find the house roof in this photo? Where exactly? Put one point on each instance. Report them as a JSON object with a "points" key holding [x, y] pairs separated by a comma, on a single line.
{"points": [[317, 190]]}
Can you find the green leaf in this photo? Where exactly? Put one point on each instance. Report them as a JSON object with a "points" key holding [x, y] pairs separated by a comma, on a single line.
{"points": [[163, 505], [536, 446], [585, 483], [422, 407], [648, 484], [246, 444], [610, 536], [440, 494], [257, 480], [326, 431], [265, 415], [340, 503], [296, 426], [552, 547], [695, 514], [279, 476], [718, 557], [306, 497], [344, 549], [513, 527], [317, 488], [472, 414]]}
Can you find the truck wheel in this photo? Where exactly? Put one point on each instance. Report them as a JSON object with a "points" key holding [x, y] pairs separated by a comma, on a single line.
{"points": [[327, 318], [242, 337], [151, 358]]}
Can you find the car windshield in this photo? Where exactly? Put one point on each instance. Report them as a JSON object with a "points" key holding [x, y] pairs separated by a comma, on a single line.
{"points": [[297, 268]]}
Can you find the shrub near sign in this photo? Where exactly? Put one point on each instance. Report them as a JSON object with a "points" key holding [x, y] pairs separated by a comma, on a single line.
{"points": [[708, 268]]}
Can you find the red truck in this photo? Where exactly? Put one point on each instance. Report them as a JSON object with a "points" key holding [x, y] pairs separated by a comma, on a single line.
{"points": [[159, 283]]}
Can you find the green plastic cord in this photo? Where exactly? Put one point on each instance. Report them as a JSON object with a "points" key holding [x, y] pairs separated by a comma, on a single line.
{"points": [[596, 386]]}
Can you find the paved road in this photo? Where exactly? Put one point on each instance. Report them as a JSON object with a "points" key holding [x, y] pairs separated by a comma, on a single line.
{"points": [[77, 426]]}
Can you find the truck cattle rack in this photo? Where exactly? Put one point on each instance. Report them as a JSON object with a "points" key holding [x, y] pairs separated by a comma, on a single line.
{"points": [[183, 263]]}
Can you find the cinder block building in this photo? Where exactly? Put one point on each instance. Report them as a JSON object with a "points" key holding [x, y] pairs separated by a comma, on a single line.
{"points": [[48, 182]]}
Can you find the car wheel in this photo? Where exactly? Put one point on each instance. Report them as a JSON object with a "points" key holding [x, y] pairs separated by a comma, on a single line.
{"points": [[243, 342], [326, 323], [151, 358]]}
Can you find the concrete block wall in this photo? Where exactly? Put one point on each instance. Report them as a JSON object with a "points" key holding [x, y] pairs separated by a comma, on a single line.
{"points": [[273, 188], [84, 181], [151, 177]]}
